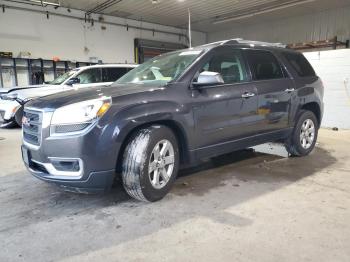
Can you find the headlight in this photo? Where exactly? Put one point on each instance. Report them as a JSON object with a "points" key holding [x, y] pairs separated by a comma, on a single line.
{"points": [[79, 115]]}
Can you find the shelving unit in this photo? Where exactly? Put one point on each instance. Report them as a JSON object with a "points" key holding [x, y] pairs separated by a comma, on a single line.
{"points": [[22, 71], [333, 43], [19, 71], [48, 70], [8, 71]]}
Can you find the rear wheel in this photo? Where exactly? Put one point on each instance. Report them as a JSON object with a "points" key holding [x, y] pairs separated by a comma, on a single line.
{"points": [[150, 163], [304, 136]]}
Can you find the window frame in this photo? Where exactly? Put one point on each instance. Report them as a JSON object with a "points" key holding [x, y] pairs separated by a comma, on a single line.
{"points": [[290, 65], [284, 70], [209, 55]]}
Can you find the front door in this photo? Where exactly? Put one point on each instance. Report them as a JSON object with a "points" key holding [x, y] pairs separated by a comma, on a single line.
{"points": [[228, 111]]}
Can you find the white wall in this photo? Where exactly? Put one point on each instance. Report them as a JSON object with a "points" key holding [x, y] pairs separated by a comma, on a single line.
{"points": [[334, 69], [66, 38], [312, 27]]}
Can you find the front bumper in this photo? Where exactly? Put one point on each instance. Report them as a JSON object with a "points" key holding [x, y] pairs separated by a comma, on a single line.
{"points": [[83, 182], [84, 162], [6, 122], [8, 109]]}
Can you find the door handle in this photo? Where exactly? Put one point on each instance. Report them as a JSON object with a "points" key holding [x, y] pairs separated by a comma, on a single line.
{"points": [[248, 94], [289, 90]]}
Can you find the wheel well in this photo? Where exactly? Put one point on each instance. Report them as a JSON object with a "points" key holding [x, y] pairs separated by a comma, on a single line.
{"points": [[178, 132], [314, 108]]}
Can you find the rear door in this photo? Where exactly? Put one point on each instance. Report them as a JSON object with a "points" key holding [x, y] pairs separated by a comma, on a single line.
{"points": [[228, 111], [274, 87]]}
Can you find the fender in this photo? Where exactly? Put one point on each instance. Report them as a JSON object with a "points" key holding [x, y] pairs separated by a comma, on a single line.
{"points": [[309, 91], [117, 127]]}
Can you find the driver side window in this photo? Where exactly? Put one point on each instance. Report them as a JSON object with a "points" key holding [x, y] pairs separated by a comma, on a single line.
{"points": [[229, 63], [90, 76]]}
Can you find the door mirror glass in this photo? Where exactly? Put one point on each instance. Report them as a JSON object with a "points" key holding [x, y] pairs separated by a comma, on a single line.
{"points": [[208, 78], [73, 81]]}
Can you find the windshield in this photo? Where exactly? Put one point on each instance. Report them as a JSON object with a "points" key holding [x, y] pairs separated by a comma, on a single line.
{"points": [[59, 80], [161, 69]]}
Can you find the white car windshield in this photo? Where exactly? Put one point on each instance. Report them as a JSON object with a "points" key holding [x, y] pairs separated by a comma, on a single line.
{"points": [[60, 79], [161, 69]]}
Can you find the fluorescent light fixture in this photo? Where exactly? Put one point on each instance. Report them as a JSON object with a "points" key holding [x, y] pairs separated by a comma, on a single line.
{"points": [[262, 11], [35, 2], [44, 3]]}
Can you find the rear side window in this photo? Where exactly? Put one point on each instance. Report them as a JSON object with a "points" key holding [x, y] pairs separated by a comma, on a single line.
{"points": [[264, 65], [300, 64], [111, 74]]}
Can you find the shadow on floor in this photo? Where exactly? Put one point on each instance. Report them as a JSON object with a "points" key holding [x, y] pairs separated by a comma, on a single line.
{"points": [[205, 191]]}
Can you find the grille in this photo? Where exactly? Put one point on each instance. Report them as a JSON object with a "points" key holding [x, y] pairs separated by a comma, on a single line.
{"points": [[32, 127]]}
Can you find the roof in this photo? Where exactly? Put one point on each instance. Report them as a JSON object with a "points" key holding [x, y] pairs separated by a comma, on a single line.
{"points": [[243, 42], [109, 65]]}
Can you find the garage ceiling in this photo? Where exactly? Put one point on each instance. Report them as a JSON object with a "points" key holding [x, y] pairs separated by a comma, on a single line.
{"points": [[205, 12]]}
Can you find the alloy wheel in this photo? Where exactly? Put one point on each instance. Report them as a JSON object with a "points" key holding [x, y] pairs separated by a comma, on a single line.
{"points": [[307, 133], [161, 164]]}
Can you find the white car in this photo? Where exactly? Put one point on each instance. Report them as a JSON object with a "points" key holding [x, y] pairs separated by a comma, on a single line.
{"points": [[13, 99]]}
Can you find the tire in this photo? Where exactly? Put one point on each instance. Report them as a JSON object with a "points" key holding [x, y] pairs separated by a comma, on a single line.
{"points": [[139, 159], [302, 141], [19, 115]]}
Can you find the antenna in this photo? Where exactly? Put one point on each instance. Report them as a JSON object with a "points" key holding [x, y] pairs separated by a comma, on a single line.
{"points": [[189, 28]]}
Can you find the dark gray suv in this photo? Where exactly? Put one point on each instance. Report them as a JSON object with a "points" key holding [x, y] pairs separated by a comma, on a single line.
{"points": [[172, 112]]}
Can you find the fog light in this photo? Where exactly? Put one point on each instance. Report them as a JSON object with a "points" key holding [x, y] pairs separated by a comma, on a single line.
{"points": [[66, 165]]}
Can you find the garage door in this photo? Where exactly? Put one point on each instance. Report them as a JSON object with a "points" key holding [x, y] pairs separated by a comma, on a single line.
{"points": [[147, 49]]}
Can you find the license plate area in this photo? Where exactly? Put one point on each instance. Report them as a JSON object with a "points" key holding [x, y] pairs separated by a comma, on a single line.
{"points": [[26, 156]]}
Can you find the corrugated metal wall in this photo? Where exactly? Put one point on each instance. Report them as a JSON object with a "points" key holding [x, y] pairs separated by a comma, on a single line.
{"points": [[312, 27], [332, 66]]}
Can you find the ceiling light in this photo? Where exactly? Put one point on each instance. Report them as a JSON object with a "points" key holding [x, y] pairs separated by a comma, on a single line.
{"points": [[44, 2], [262, 11]]}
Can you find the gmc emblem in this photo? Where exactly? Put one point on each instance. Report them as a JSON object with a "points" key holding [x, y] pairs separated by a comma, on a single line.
{"points": [[25, 121]]}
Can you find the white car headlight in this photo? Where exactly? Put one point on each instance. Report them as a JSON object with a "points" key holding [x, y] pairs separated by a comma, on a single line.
{"points": [[82, 112]]}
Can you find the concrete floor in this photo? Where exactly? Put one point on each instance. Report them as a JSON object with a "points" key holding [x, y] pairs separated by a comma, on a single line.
{"points": [[242, 207]]}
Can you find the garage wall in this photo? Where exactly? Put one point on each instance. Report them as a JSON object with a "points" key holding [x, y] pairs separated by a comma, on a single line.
{"points": [[67, 38], [334, 69], [312, 27]]}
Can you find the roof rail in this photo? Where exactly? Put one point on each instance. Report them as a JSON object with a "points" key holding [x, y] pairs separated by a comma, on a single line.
{"points": [[252, 43]]}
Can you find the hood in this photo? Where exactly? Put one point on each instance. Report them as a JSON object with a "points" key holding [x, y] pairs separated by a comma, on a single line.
{"points": [[58, 100], [42, 90], [14, 88]]}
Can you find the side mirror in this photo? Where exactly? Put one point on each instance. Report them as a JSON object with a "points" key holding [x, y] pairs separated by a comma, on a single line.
{"points": [[208, 78], [12, 97], [73, 81]]}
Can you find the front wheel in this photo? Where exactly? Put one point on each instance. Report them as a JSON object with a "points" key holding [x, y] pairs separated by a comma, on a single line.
{"points": [[304, 136], [150, 163]]}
